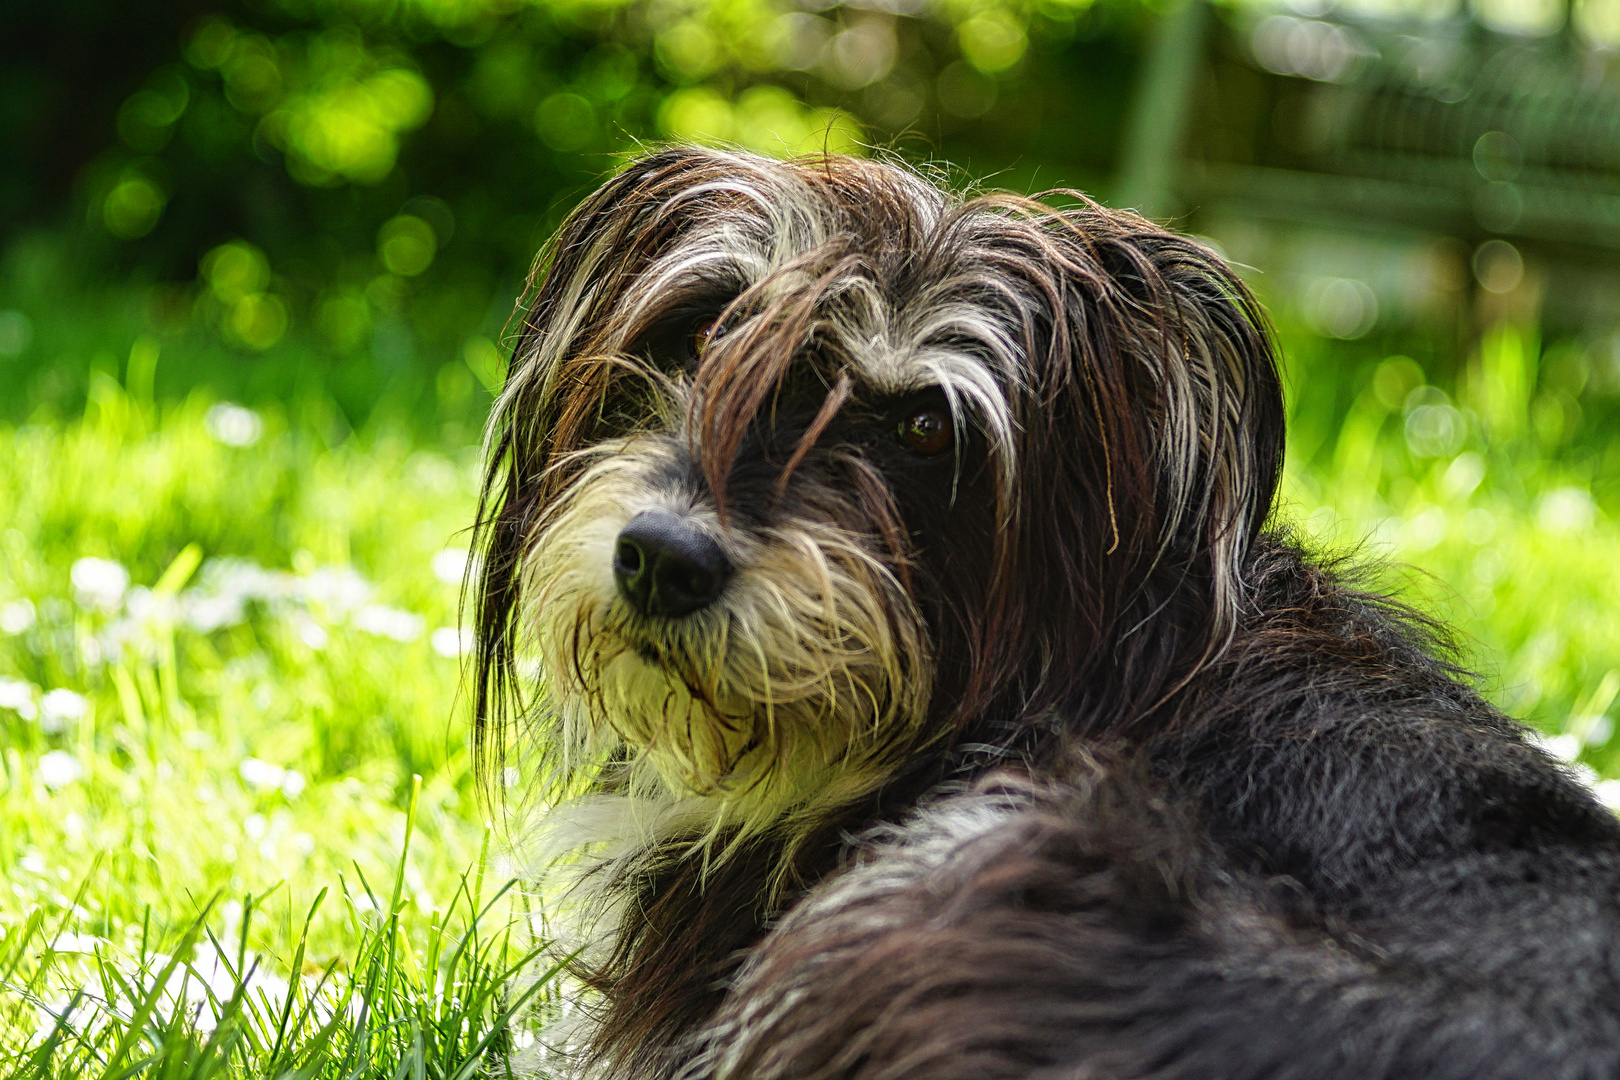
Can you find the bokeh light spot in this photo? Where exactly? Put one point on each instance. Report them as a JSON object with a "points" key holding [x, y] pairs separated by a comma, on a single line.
{"points": [[1341, 307], [406, 245], [146, 119], [1497, 156], [1599, 22], [235, 270], [351, 127], [688, 50], [698, 115], [992, 41], [1395, 378], [258, 320], [210, 45], [132, 207], [565, 122], [1529, 18], [1498, 266], [252, 77], [862, 54]]}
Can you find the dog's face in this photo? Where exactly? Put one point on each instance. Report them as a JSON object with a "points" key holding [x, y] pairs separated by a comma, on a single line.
{"points": [[801, 466]]}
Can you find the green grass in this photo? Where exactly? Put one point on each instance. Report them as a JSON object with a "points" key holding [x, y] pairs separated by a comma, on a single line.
{"points": [[238, 824], [1495, 527], [438, 1003], [231, 744]]}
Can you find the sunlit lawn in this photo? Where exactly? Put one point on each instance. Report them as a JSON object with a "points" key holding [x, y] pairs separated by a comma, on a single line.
{"points": [[226, 649], [1500, 535]]}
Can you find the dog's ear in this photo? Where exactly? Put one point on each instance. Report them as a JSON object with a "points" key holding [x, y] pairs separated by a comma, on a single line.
{"points": [[1152, 434], [1205, 411]]}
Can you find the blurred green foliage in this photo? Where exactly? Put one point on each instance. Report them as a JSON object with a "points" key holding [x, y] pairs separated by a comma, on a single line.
{"points": [[359, 186]]}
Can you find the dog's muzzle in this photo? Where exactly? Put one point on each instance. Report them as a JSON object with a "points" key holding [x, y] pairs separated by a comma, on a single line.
{"points": [[666, 566]]}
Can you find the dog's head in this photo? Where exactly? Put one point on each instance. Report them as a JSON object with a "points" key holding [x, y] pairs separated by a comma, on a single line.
{"points": [[802, 466]]}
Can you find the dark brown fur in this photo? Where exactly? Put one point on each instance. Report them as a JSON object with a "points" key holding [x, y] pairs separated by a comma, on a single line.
{"points": [[1239, 773]]}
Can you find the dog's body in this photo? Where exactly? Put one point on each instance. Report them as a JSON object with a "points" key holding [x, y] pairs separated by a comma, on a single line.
{"points": [[922, 695]]}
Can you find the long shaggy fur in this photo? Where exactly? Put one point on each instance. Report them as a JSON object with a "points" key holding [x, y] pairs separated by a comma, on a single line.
{"points": [[1022, 747]]}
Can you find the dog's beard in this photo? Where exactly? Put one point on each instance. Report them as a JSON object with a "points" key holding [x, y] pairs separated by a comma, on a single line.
{"points": [[798, 690]]}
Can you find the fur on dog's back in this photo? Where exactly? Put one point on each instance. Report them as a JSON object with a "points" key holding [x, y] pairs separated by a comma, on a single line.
{"points": [[982, 728], [1347, 867]]}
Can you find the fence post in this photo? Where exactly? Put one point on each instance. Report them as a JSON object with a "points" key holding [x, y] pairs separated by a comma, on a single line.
{"points": [[1159, 111]]}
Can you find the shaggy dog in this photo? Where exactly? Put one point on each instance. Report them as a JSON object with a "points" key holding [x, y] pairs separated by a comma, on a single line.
{"points": [[880, 584]]}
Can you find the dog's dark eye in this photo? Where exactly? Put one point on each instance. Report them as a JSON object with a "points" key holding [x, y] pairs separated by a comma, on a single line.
{"points": [[678, 340], [703, 333], [927, 431]]}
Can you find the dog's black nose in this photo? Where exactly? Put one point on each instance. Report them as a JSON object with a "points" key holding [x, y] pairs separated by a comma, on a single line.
{"points": [[666, 565]]}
